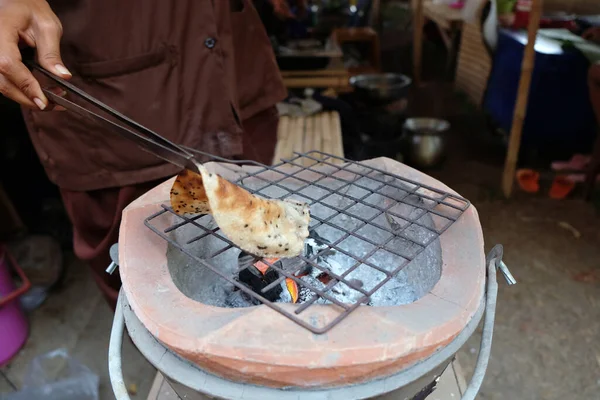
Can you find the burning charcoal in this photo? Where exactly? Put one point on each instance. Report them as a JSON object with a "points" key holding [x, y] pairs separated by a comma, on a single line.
{"points": [[292, 288], [306, 270], [257, 284], [324, 278]]}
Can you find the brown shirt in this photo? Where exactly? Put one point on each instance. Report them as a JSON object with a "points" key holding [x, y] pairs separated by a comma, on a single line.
{"points": [[190, 70]]}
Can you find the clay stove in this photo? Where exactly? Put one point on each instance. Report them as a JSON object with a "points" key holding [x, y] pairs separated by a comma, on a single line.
{"points": [[405, 258]]}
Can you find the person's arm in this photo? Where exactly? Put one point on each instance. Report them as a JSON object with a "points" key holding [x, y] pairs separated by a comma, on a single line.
{"points": [[31, 22]]}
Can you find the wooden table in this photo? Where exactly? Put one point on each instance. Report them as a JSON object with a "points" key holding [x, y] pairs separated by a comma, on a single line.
{"points": [[335, 76], [365, 35], [449, 22], [322, 132]]}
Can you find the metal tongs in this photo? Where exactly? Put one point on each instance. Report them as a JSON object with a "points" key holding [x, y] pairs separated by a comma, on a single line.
{"points": [[147, 139]]}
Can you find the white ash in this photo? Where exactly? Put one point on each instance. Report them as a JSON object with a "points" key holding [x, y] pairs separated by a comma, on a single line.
{"points": [[411, 283]]}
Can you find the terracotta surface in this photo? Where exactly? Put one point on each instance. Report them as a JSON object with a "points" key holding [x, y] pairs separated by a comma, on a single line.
{"points": [[257, 345]]}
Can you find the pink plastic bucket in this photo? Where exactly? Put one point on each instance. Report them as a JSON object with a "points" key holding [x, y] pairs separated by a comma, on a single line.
{"points": [[14, 328]]}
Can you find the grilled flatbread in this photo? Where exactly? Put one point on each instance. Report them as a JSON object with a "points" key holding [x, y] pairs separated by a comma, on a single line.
{"points": [[188, 195], [265, 228]]}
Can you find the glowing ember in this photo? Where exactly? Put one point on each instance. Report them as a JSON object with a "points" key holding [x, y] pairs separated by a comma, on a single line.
{"points": [[292, 287]]}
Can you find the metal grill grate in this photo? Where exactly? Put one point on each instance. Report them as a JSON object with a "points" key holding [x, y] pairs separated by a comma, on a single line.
{"points": [[433, 212]]}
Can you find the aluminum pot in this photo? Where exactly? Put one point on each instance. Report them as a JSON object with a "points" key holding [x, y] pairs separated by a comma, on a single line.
{"points": [[379, 89], [424, 141]]}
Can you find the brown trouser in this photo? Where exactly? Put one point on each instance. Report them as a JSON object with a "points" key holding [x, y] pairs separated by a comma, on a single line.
{"points": [[96, 215]]}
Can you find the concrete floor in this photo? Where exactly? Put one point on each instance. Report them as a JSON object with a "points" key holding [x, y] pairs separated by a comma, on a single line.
{"points": [[78, 319], [547, 327]]}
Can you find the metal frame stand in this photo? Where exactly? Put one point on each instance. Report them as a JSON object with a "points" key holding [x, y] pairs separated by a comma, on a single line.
{"points": [[201, 381]]}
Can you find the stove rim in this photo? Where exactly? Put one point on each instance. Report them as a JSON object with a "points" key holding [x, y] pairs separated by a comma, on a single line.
{"points": [[158, 355], [156, 280]]}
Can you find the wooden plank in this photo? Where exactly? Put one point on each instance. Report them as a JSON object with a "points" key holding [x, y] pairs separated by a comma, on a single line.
{"points": [[298, 136], [321, 132], [510, 164], [288, 146], [309, 132], [282, 134], [312, 73], [317, 134], [336, 129], [318, 82], [417, 40], [327, 137]]}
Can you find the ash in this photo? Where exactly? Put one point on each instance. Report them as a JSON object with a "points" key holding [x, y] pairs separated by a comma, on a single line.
{"points": [[420, 265]]}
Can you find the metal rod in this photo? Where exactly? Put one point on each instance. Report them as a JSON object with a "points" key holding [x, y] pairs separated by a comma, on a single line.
{"points": [[115, 367]]}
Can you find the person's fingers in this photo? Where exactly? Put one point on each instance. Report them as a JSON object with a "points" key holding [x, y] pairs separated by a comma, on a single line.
{"points": [[16, 73], [47, 35], [8, 89]]}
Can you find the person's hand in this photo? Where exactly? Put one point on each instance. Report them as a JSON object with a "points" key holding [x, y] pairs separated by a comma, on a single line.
{"points": [[33, 23], [592, 34]]}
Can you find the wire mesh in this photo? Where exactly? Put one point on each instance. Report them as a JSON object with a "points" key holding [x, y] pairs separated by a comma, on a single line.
{"points": [[357, 184]]}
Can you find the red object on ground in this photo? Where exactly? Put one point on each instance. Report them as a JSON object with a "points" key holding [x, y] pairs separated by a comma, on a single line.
{"points": [[561, 187], [528, 180]]}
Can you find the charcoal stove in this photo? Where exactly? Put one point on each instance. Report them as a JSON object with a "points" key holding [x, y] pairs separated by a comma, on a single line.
{"points": [[404, 254]]}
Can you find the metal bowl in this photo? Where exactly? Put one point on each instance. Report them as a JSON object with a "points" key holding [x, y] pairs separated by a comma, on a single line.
{"points": [[424, 141], [381, 88]]}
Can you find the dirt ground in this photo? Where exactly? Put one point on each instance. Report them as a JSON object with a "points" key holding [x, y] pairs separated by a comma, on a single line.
{"points": [[548, 325]]}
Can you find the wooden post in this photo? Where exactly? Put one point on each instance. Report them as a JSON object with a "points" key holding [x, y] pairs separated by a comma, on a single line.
{"points": [[510, 164], [374, 15], [417, 40]]}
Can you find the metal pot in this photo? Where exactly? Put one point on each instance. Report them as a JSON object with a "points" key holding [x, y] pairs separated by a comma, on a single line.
{"points": [[379, 89], [424, 141]]}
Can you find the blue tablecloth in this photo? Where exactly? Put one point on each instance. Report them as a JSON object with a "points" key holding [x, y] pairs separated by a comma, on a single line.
{"points": [[560, 120]]}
